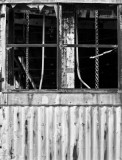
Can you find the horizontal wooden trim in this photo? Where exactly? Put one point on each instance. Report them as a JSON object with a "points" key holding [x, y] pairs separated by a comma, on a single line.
{"points": [[63, 99], [90, 45], [31, 45], [64, 45], [62, 1]]}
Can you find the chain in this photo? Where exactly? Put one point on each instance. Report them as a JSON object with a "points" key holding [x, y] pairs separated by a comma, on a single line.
{"points": [[96, 51], [27, 50]]}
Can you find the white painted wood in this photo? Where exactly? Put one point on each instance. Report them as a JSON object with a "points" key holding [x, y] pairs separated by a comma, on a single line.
{"points": [[63, 1], [3, 44]]}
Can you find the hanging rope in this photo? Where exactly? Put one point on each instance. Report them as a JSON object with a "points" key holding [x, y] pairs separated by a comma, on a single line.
{"points": [[77, 61], [27, 49], [96, 51]]}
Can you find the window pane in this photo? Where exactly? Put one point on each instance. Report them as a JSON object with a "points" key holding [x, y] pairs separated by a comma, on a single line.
{"points": [[35, 68], [87, 68], [108, 69], [32, 25], [97, 25]]}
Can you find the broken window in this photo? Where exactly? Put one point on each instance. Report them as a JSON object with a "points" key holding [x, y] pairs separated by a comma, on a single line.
{"points": [[79, 40], [96, 37], [32, 46]]}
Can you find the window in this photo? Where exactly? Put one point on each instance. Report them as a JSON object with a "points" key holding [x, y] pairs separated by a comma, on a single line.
{"points": [[96, 34], [66, 45], [32, 46]]}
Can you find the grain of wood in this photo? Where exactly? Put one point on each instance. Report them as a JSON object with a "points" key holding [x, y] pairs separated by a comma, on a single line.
{"points": [[3, 44], [63, 1]]}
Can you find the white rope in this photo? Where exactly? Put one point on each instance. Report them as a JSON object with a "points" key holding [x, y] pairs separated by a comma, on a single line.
{"points": [[77, 62], [106, 52], [43, 50]]}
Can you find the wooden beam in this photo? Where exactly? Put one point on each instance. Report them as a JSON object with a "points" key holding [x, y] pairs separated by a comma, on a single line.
{"points": [[3, 44], [62, 1], [67, 53], [119, 46], [63, 45]]}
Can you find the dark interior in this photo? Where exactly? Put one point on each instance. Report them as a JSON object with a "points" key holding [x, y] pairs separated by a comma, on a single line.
{"points": [[17, 34]]}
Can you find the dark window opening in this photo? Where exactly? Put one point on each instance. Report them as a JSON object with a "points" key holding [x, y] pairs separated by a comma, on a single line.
{"points": [[32, 65], [88, 37], [104, 39]]}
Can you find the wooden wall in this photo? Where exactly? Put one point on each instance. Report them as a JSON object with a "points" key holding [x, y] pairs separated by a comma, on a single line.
{"points": [[63, 131]]}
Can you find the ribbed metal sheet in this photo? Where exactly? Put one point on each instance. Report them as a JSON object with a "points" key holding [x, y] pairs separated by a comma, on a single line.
{"points": [[61, 133]]}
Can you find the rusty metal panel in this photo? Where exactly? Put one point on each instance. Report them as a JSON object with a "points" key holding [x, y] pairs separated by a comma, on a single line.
{"points": [[62, 1], [68, 132]]}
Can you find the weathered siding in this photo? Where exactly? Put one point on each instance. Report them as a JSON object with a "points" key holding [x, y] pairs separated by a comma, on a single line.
{"points": [[62, 1], [61, 131]]}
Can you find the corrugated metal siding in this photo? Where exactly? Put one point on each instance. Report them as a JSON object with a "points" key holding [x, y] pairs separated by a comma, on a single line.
{"points": [[61, 132]]}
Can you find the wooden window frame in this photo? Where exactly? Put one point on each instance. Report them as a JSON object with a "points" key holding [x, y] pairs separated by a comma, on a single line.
{"points": [[4, 46]]}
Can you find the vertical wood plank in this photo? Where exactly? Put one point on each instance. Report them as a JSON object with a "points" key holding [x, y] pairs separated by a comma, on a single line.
{"points": [[88, 133], [67, 53], [3, 43], [119, 29], [81, 133]]}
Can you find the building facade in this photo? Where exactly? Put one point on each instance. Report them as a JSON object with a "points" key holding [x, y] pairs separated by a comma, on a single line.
{"points": [[61, 79]]}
